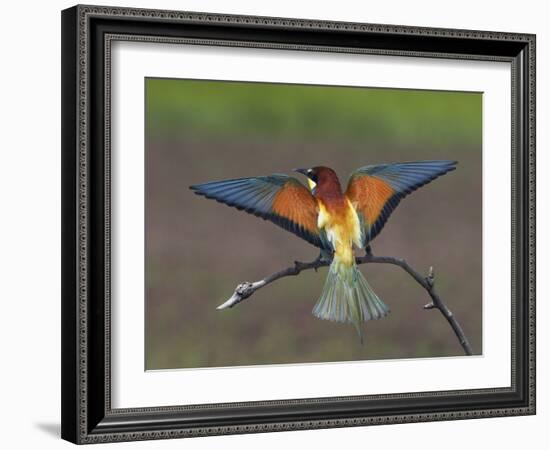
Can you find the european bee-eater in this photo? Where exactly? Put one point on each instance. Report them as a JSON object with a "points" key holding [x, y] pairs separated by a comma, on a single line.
{"points": [[332, 220]]}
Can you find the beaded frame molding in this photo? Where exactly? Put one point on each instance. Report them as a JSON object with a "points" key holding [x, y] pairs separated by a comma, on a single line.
{"points": [[87, 34]]}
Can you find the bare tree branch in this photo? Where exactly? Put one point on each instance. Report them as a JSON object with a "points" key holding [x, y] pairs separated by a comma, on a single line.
{"points": [[246, 289]]}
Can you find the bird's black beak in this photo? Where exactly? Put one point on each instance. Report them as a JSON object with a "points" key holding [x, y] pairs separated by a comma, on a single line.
{"points": [[302, 171]]}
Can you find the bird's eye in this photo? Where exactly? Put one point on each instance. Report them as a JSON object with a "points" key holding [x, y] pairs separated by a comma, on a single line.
{"points": [[309, 171]]}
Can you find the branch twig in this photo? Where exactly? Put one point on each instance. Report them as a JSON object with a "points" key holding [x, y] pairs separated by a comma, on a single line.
{"points": [[246, 289]]}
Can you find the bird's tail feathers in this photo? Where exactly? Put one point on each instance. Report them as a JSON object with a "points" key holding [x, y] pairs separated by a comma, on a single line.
{"points": [[347, 297]]}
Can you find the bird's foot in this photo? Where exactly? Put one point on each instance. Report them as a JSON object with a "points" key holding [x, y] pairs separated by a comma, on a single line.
{"points": [[317, 261]]}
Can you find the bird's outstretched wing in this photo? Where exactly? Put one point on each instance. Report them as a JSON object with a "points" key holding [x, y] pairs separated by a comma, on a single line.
{"points": [[376, 190], [279, 198]]}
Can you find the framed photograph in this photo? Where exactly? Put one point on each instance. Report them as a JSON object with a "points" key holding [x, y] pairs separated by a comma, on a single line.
{"points": [[277, 224]]}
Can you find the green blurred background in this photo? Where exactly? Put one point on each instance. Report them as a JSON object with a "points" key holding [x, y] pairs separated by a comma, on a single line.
{"points": [[198, 250]]}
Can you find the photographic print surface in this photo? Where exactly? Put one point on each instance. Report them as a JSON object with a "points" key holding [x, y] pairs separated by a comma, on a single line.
{"points": [[199, 250]]}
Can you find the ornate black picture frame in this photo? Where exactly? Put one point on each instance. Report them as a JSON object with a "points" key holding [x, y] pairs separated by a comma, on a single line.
{"points": [[87, 33]]}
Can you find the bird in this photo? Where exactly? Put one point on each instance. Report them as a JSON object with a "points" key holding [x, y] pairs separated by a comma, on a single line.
{"points": [[334, 220]]}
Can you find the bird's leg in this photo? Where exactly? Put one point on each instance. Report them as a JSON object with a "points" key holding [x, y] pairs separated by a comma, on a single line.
{"points": [[318, 259], [368, 250], [317, 262]]}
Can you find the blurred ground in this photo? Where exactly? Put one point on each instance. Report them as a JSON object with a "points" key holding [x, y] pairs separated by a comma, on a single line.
{"points": [[198, 250]]}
